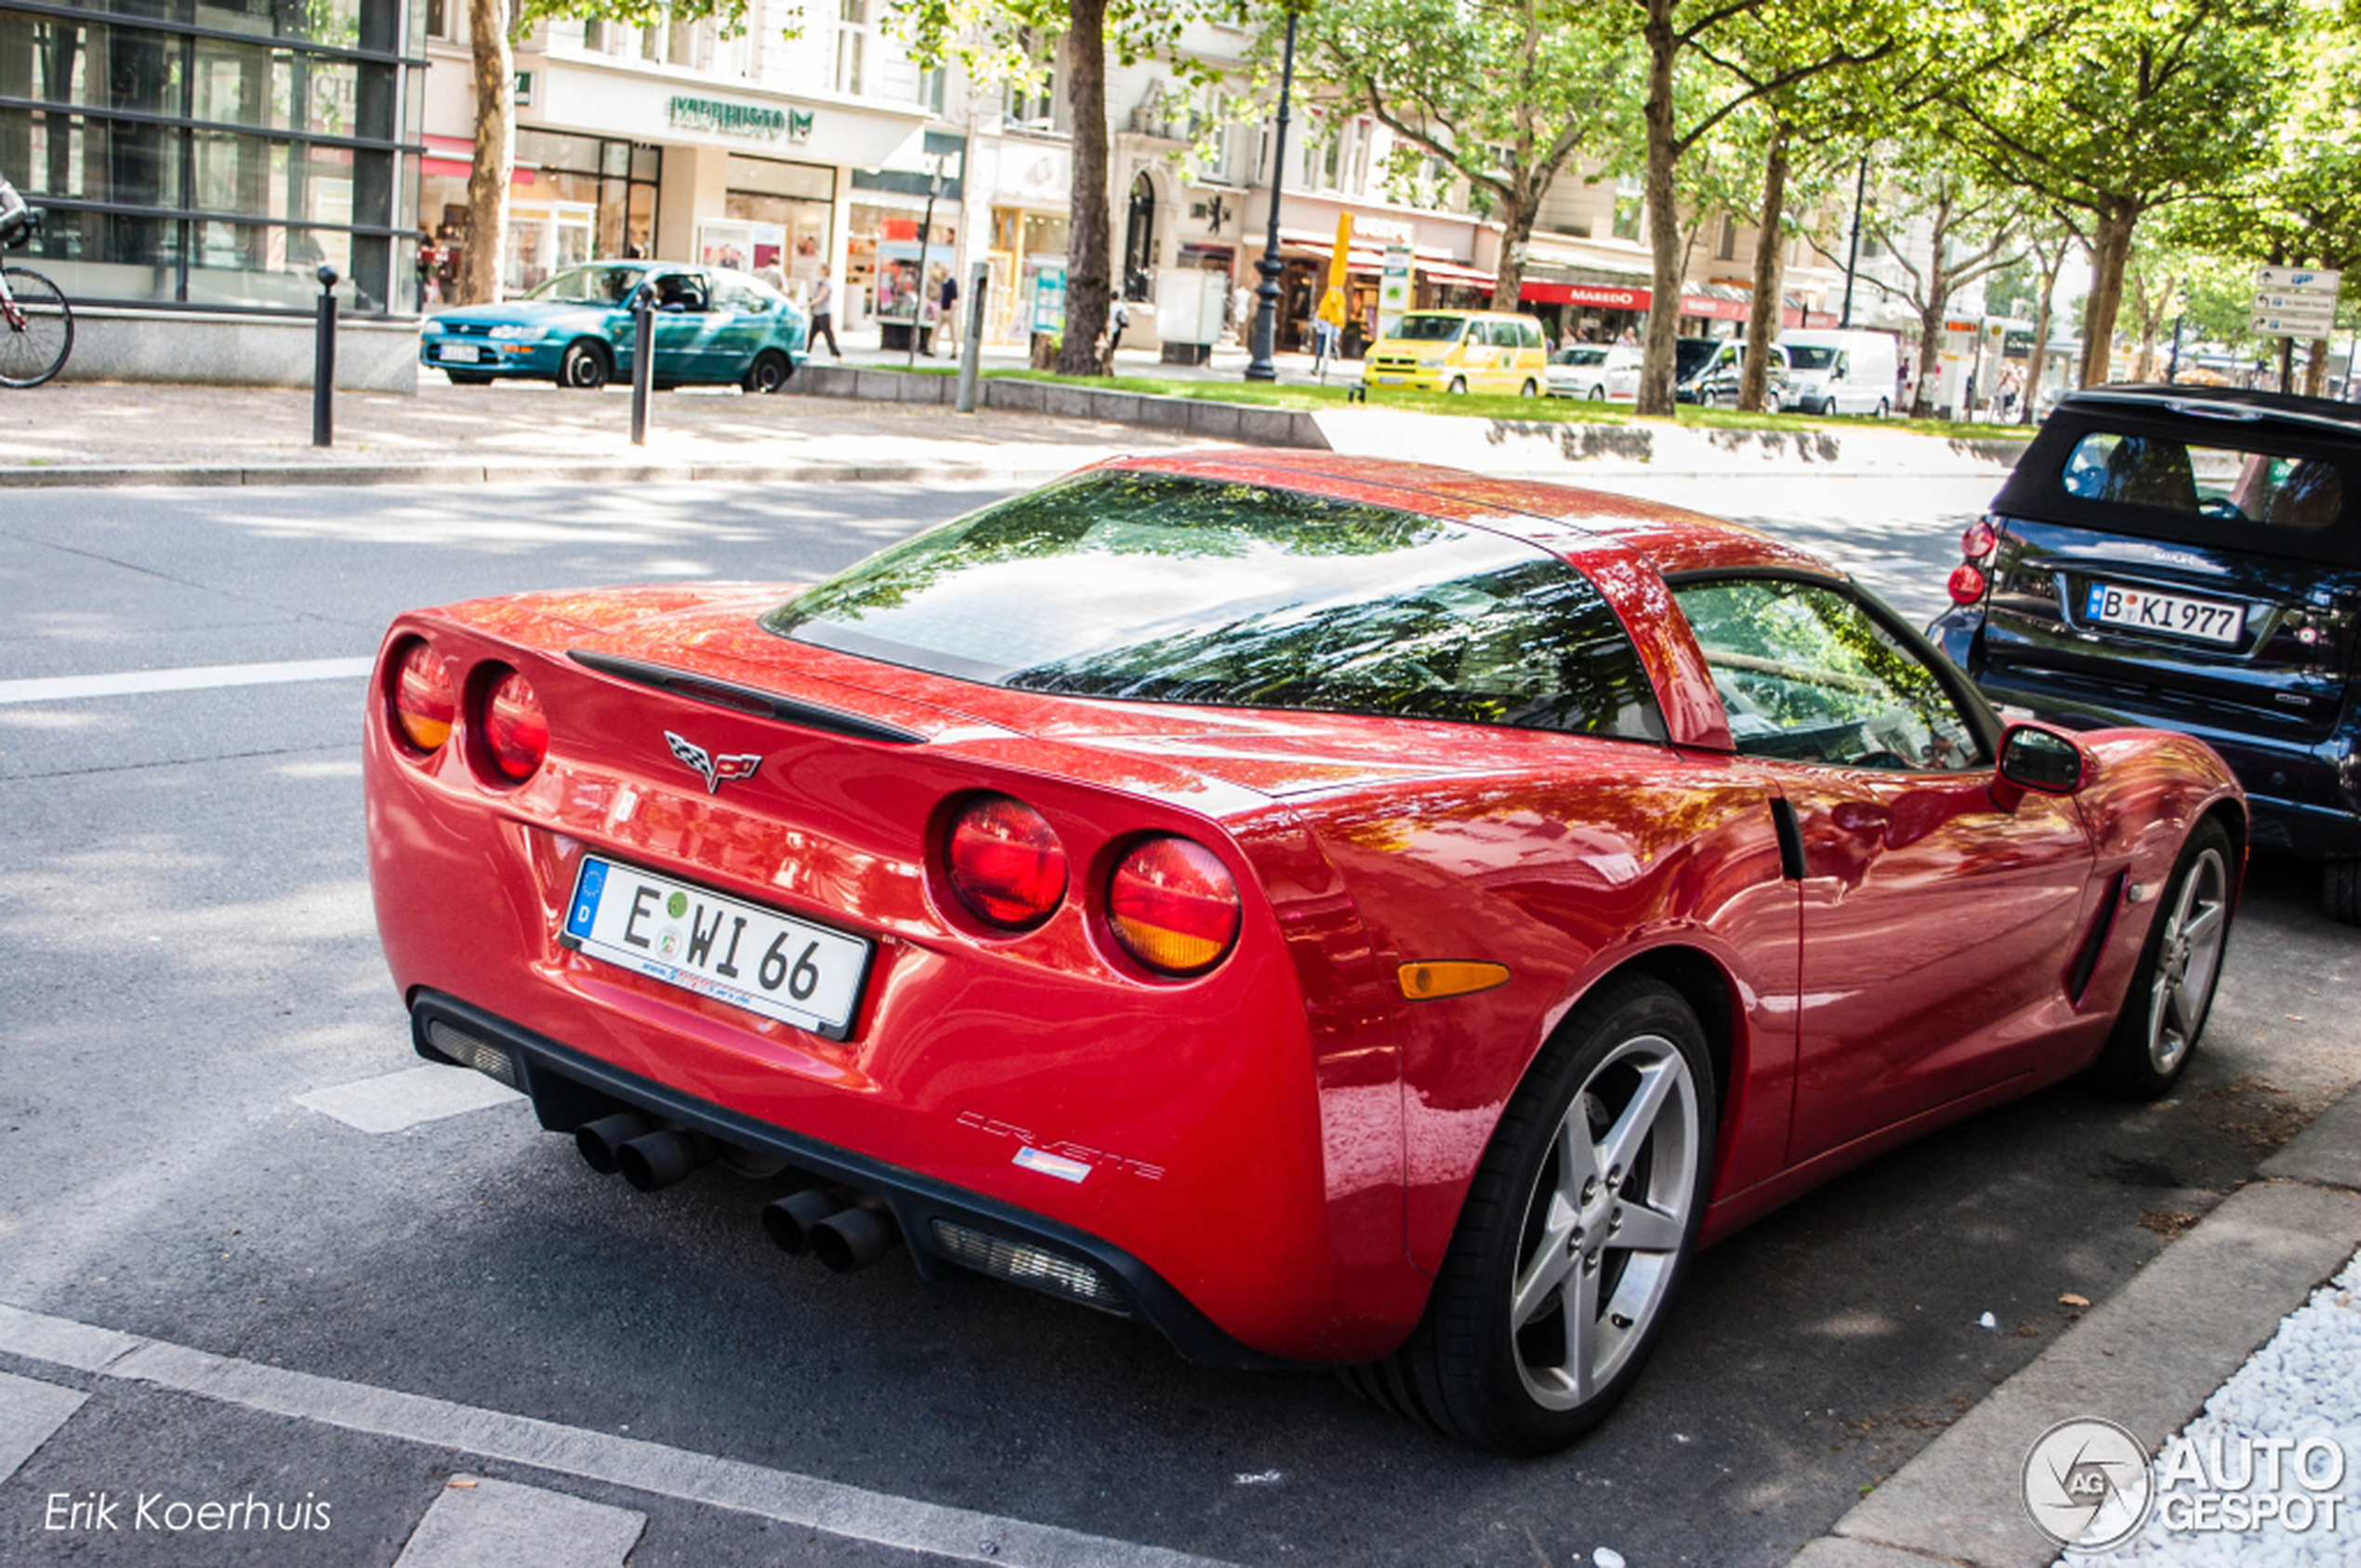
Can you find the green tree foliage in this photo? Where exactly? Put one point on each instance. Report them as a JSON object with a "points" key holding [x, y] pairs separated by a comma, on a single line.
{"points": [[2116, 108], [1972, 229], [1504, 92]]}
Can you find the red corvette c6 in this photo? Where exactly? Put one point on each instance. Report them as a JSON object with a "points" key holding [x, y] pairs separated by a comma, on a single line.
{"points": [[1332, 910]]}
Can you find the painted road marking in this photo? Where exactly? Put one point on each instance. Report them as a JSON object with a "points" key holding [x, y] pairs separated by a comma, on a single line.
{"points": [[806, 1501], [198, 677], [478, 1520], [31, 1413], [401, 1100]]}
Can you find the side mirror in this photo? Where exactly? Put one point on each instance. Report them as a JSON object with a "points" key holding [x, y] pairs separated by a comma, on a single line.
{"points": [[2040, 759]]}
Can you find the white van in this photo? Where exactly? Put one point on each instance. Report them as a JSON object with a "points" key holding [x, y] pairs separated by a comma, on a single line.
{"points": [[1831, 372]]}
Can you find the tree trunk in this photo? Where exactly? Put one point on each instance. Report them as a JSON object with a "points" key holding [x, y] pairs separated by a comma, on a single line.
{"points": [[2316, 369], [2110, 248], [2041, 314], [496, 154], [1929, 354], [1516, 230], [1664, 221], [1089, 246], [1770, 276]]}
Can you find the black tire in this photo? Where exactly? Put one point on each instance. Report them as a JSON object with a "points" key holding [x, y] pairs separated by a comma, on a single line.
{"points": [[1468, 1370], [2172, 990], [1598, 393], [769, 371], [585, 366], [469, 378], [33, 354], [1884, 408], [2341, 890], [1528, 389], [1458, 387]]}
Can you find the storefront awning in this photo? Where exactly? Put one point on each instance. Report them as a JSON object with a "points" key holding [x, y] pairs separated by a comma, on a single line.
{"points": [[454, 157]]}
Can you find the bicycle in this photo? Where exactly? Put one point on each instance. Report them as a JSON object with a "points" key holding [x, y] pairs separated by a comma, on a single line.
{"points": [[37, 325]]}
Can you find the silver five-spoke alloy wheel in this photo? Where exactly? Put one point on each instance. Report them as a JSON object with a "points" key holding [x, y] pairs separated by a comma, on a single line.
{"points": [[1605, 1222], [2188, 960]]}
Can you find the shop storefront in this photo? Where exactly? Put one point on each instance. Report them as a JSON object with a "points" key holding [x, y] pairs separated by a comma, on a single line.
{"points": [[571, 199], [777, 220], [892, 272]]}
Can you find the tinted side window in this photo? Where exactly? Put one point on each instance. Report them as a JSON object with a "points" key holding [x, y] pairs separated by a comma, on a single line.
{"points": [[1806, 674]]}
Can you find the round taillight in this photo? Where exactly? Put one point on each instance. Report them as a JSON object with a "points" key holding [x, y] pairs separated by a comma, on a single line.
{"points": [[1006, 863], [516, 733], [1966, 585], [1172, 905], [424, 703], [1976, 542]]}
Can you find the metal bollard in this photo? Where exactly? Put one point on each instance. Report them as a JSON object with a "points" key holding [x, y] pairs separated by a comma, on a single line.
{"points": [[971, 343], [643, 365], [324, 363]]}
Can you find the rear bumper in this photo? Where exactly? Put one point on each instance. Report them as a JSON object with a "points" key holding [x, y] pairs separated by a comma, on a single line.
{"points": [[569, 1088]]}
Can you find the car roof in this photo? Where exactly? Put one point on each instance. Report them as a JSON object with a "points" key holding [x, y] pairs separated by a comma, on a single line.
{"points": [[2239, 403], [1560, 518]]}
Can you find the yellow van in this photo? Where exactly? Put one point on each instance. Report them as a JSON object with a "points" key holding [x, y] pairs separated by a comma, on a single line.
{"points": [[1461, 351]]}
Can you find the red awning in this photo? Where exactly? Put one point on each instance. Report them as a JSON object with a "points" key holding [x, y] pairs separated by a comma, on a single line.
{"points": [[1456, 275], [1715, 309], [1596, 296], [457, 159]]}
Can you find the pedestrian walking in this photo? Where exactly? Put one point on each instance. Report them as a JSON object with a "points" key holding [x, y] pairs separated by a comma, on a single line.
{"points": [[1114, 339], [823, 315], [946, 325]]}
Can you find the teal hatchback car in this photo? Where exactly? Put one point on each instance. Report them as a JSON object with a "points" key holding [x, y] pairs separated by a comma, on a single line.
{"points": [[713, 326]]}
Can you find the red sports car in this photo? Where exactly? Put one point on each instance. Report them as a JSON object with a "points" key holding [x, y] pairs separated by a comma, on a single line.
{"points": [[1333, 910]]}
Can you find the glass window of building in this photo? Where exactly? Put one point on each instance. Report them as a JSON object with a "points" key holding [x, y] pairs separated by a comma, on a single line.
{"points": [[774, 214], [852, 43], [207, 153], [572, 199]]}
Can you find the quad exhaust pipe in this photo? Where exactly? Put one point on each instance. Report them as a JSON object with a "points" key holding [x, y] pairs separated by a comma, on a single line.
{"points": [[846, 1232], [646, 1156], [843, 1236]]}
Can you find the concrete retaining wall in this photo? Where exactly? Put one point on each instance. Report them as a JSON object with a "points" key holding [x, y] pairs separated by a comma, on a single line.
{"points": [[114, 344], [1243, 423]]}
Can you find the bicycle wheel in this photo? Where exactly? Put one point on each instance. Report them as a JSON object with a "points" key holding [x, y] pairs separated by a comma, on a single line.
{"points": [[33, 352]]}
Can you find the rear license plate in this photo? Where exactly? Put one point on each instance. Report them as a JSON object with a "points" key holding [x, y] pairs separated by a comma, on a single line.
{"points": [[2207, 620], [725, 948], [459, 353]]}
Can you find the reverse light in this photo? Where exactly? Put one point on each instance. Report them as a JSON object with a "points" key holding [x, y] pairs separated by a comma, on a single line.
{"points": [[1978, 540], [425, 707], [1006, 863], [1173, 905], [516, 733], [1966, 584], [1036, 1268]]}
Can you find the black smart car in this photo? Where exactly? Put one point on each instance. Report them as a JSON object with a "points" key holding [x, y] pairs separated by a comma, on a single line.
{"points": [[2188, 559]]}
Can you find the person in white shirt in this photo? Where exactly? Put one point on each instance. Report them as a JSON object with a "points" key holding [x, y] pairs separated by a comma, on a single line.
{"points": [[823, 315]]}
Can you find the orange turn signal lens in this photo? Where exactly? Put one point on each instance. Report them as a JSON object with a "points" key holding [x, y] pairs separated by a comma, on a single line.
{"points": [[1173, 906], [1437, 978], [425, 705]]}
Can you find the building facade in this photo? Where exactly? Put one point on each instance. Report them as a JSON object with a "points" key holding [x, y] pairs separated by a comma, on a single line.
{"points": [[201, 160]]}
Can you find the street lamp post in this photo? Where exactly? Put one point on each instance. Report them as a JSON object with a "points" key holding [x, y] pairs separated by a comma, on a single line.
{"points": [[925, 239], [1266, 295], [1852, 252]]}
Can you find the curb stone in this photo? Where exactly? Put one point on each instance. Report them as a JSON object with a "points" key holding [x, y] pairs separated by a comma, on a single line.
{"points": [[2149, 1356]]}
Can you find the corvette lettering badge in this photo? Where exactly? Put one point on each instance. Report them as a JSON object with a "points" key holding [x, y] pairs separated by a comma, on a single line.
{"points": [[715, 770]]}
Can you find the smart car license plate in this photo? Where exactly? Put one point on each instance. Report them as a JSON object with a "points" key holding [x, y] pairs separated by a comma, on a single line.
{"points": [[725, 948], [459, 353], [2205, 619]]}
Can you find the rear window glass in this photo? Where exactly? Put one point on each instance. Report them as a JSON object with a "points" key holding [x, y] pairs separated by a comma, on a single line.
{"points": [[2221, 482], [1157, 587]]}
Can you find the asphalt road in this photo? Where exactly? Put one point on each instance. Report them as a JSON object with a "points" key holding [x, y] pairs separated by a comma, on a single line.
{"points": [[189, 949]]}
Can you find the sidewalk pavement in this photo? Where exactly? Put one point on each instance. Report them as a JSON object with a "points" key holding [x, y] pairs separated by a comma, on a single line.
{"points": [[2148, 1358], [84, 433]]}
